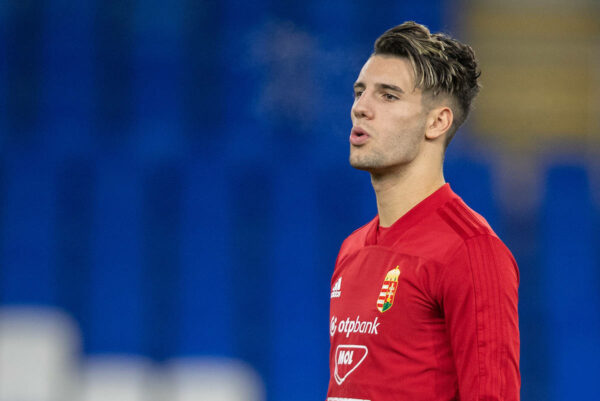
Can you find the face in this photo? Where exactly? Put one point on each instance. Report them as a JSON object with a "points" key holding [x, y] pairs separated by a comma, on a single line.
{"points": [[388, 116]]}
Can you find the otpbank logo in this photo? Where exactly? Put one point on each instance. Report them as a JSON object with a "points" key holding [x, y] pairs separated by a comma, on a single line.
{"points": [[348, 326]]}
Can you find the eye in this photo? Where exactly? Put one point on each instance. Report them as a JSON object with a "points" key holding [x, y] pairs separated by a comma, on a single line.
{"points": [[390, 97], [357, 93]]}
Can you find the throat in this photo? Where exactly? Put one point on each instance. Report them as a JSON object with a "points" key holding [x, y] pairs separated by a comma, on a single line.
{"points": [[396, 197]]}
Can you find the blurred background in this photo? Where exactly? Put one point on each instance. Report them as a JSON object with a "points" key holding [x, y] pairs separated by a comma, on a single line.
{"points": [[174, 188]]}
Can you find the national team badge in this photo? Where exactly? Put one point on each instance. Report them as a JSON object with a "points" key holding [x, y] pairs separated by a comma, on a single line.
{"points": [[388, 290]]}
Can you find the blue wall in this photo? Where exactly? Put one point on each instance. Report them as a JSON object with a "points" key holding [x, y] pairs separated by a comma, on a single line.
{"points": [[175, 177]]}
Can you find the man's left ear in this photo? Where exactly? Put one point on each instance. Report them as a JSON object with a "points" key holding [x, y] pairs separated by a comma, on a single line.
{"points": [[439, 122]]}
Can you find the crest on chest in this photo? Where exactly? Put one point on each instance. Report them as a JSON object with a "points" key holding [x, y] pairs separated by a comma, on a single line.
{"points": [[388, 290]]}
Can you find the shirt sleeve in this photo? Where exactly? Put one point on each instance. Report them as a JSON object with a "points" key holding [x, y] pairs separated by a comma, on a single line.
{"points": [[479, 298]]}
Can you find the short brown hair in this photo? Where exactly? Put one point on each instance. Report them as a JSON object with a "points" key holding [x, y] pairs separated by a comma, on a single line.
{"points": [[441, 64]]}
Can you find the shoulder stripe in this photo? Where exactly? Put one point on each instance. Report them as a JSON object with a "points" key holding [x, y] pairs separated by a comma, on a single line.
{"points": [[442, 212], [462, 220], [469, 214], [463, 212], [460, 214]]}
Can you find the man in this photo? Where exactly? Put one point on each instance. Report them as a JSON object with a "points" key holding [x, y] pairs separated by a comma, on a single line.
{"points": [[424, 297]]}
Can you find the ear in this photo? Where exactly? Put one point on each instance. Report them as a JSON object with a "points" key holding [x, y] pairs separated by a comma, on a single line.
{"points": [[439, 122]]}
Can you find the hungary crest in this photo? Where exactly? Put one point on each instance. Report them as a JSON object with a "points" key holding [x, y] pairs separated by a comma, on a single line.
{"points": [[388, 290]]}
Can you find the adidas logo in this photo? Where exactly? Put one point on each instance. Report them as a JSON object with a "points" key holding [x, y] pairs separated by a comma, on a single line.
{"points": [[336, 291]]}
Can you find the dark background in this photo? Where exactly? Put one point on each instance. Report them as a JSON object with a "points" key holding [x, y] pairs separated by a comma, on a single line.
{"points": [[174, 176]]}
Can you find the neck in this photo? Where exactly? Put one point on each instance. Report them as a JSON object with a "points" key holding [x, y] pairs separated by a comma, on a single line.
{"points": [[400, 190]]}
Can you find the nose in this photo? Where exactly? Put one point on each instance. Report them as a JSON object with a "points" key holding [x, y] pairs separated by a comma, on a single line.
{"points": [[362, 107]]}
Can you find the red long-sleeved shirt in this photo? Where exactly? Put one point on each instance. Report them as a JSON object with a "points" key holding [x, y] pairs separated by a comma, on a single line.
{"points": [[426, 310]]}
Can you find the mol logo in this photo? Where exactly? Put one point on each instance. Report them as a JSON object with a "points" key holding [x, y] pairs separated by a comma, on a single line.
{"points": [[347, 359]]}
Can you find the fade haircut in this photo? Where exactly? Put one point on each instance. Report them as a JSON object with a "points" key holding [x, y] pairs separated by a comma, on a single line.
{"points": [[442, 66]]}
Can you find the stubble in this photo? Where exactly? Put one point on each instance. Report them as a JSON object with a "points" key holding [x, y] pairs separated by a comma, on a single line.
{"points": [[380, 155]]}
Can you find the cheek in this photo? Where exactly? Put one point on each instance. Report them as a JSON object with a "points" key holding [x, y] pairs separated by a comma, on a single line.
{"points": [[402, 124], [408, 130]]}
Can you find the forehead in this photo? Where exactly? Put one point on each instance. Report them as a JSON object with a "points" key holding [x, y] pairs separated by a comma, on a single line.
{"points": [[392, 70]]}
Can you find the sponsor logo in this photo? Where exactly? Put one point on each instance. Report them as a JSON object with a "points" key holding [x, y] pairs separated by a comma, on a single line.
{"points": [[353, 326], [388, 290], [344, 399], [332, 326], [336, 290], [347, 359]]}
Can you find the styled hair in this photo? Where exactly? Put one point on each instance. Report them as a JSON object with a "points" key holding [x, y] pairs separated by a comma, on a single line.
{"points": [[442, 65]]}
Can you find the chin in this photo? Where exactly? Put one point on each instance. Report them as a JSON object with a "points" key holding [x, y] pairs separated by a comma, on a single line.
{"points": [[366, 165], [361, 167]]}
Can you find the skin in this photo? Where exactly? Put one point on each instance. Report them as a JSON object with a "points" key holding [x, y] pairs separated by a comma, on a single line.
{"points": [[406, 130]]}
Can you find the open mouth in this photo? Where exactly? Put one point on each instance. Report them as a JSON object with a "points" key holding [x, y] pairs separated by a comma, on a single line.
{"points": [[358, 136]]}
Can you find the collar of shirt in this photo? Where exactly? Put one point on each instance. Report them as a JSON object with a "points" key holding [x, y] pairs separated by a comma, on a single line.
{"points": [[428, 205]]}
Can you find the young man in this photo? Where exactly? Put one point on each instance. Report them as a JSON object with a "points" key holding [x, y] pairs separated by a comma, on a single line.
{"points": [[424, 297]]}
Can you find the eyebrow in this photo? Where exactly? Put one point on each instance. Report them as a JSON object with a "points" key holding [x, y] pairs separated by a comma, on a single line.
{"points": [[360, 85]]}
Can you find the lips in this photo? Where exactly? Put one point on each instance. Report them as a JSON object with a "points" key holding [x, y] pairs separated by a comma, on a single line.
{"points": [[358, 136]]}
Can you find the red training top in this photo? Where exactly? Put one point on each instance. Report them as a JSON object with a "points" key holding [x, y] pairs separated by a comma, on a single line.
{"points": [[426, 310]]}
